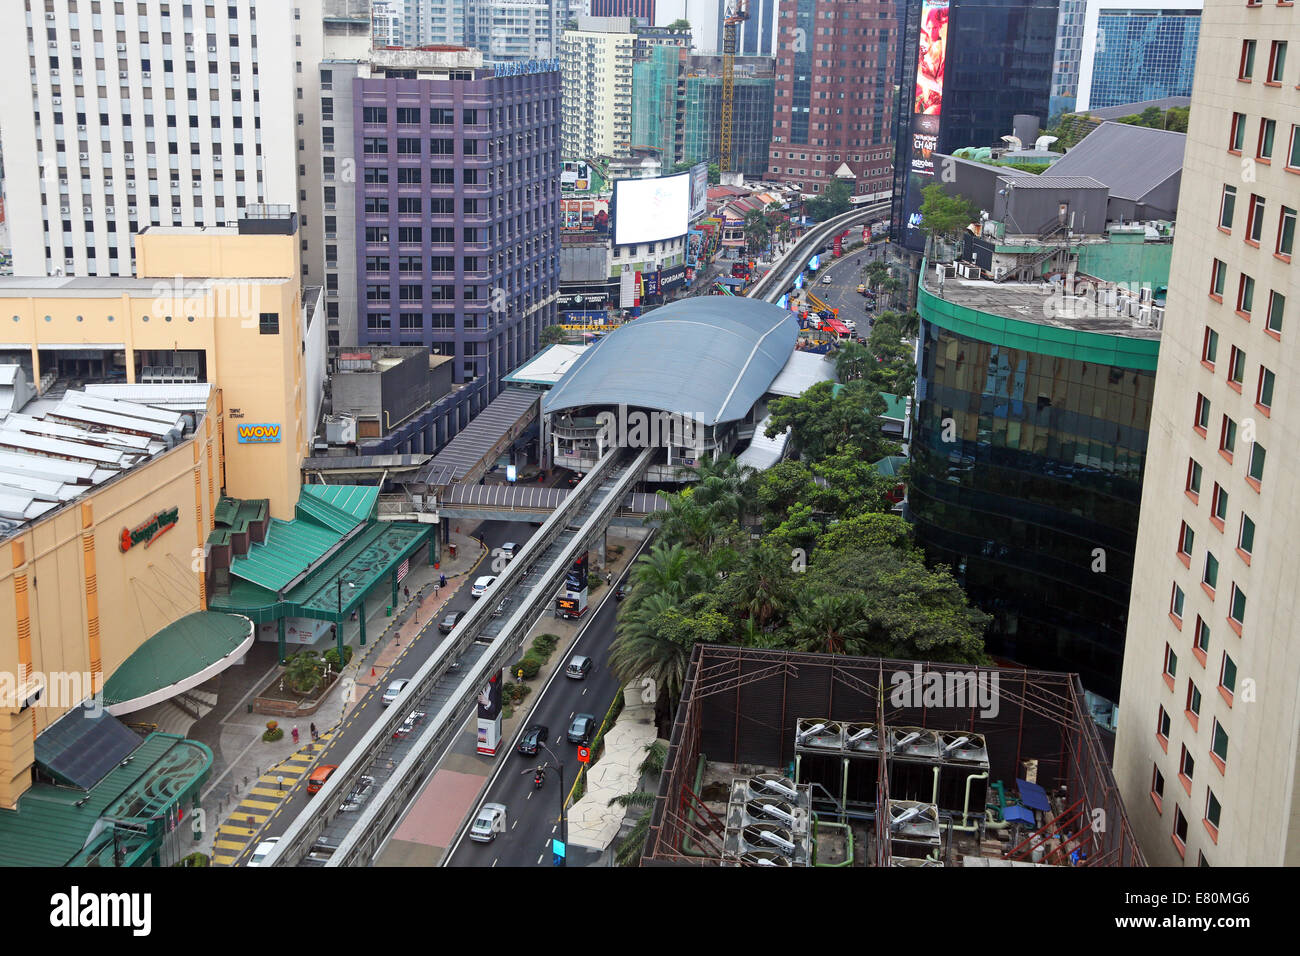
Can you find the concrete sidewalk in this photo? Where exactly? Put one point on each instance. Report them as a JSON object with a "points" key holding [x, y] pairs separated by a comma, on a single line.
{"points": [[242, 793]]}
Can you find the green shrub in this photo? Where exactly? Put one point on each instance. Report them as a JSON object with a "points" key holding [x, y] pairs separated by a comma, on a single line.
{"points": [[521, 691], [528, 664], [331, 657], [194, 859], [548, 641], [273, 734]]}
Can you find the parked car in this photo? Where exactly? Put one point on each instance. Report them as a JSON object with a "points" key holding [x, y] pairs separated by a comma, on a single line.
{"points": [[490, 821], [394, 691], [409, 724], [582, 728], [532, 740], [449, 621], [359, 795], [481, 585], [578, 668], [263, 851]]}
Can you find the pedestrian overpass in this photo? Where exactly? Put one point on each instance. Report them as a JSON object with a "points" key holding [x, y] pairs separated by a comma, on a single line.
{"points": [[513, 502], [448, 684]]}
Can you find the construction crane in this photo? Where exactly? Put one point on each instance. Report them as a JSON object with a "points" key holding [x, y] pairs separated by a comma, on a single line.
{"points": [[737, 12]]}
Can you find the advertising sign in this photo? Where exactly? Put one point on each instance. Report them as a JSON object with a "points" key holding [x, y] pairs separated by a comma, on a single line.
{"points": [[257, 434], [651, 210], [837, 248], [927, 107], [699, 190], [489, 715], [148, 531], [584, 215]]}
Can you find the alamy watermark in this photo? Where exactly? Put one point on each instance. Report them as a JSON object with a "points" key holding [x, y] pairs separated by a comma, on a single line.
{"points": [[61, 690], [654, 429], [934, 689]]}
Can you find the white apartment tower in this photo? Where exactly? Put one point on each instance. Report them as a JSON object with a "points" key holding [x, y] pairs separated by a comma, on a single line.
{"points": [[596, 66], [141, 112], [1209, 710]]}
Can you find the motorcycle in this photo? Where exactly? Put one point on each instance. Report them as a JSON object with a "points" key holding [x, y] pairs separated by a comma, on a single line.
{"points": [[538, 781]]}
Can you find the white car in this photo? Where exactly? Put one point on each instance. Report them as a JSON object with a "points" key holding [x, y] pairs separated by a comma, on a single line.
{"points": [[394, 691], [263, 850], [827, 280], [481, 585], [490, 821]]}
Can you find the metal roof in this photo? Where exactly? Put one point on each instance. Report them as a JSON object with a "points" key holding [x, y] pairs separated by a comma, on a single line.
{"points": [[801, 372], [83, 745], [343, 464], [341, 507], [1131, 160], [289, 549], [186, 648], [764, 452], [186, 398], [548, 366], [709, 357], [477, 439], [1130, 109], [1050, 180]]}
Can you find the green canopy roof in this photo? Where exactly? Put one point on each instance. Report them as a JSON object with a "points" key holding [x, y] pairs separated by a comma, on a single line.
{"points": [[182, 649], [290, 547], [354, 501]]}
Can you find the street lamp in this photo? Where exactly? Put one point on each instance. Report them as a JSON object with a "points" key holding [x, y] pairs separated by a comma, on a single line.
{"points": [[564, 815]]}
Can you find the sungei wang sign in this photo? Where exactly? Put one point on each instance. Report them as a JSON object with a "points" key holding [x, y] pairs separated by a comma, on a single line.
{"points": [[146, 532], [257, 434]]}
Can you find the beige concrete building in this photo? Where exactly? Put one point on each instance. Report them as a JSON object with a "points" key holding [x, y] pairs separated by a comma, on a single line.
{"points": [[596, 66], [1206, 754], [218, 305]]}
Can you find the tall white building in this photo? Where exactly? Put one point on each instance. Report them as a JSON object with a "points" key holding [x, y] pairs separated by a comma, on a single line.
{"points": [[596, 66], [388, 18], [1209, 716], [152, 116], [434, 21]]}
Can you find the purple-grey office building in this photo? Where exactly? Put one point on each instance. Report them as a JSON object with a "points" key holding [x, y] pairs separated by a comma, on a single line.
{"points": [[457, 213]]}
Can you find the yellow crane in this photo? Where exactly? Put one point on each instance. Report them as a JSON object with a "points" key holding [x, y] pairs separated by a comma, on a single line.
{"points": [[737, 13]]}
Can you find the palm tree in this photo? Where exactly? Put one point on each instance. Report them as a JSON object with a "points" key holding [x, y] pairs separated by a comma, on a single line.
{"points": [[630, 850], [664, 570], [854, 361], [696, 525], [762, 587], [831, 624], [723, 485], [303, 672], [638, 651], [757, 229]]}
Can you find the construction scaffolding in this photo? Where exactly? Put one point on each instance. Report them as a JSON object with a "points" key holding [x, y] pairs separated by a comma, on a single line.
{"points": [[914, 768]]}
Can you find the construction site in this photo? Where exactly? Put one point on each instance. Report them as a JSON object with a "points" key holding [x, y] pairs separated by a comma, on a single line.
{"points": [[788, 759]]}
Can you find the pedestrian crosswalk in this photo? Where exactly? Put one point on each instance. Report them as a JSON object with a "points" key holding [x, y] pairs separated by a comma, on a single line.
{"points": [[241, 829]]}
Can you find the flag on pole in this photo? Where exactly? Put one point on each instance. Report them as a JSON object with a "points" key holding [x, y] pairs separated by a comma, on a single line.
{"points": [[402, 569]]}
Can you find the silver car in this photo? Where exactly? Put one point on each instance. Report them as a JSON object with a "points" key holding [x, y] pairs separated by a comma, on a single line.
{"points": [[394, 691], [490, 821]]}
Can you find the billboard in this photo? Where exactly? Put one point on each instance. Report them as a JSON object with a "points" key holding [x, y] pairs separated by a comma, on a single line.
{"points": [[699, 191], [584, 215], [927, 108], [651, 210], [575, 174]]}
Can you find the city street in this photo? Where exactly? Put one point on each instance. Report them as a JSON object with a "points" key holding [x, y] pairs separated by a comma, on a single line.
{"points": [[532, 814]]}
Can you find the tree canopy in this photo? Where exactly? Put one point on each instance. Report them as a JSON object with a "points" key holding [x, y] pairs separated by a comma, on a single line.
{"points": [[943, 215], [832, 202]]}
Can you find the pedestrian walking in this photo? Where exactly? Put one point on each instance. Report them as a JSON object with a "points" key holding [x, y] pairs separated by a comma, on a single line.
{"points": [[609, 576], [442, 580], [314, 735], [407, 591], [295, 733]]}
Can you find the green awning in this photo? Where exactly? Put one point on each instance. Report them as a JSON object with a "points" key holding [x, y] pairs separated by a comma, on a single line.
{"points": [[891, 466], [182, 655], [356, 501], [290, 548]]}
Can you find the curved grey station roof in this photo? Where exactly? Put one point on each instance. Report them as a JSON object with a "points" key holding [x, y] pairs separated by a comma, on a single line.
{"points": [[711, 357]]}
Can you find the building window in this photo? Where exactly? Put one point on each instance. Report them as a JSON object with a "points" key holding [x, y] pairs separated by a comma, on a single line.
{"points": [[1264, 397], [1186, 767], [268, 323], [1162, 725], [1201, 637], [1286, 233], [1237, 612], [1246, 67], [1276, 61], [1157, 786], [1236, 367], [1227, 207], [1237, 137], [1264, 149], [1185, 538], [1171, 660], [1210, 346], [1293, 154], [1194, 472], [1219, 746], [1212, 812], [1210, 574], [1255, 219], [1228, 674], [1202, 413], [1256, 470], [1246, 535], [1228, 437], [1180, 830], [1219, 503], [1245, 296], [1218, 278], [1176, 609]]}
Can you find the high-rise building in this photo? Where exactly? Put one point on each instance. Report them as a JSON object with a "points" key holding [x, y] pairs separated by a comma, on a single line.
{"points": [[967, 69], [702, 15], [156, 118], [1206, 747], [1069, 48], [596, 63], [834, 83], [456, 204], [388, 23], [1135, 52], [642, 10], [511, 31], [752, 112], [434, 21]]}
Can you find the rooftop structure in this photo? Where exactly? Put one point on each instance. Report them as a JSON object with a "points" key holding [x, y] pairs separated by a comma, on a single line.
{"points": [[1142, 169], [780, 758]]}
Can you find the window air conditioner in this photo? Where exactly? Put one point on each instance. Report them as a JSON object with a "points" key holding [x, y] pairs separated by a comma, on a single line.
{"points": [[65, 209], [81, 127], [121, 48], [85, 155]]}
